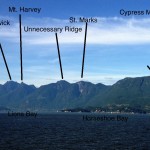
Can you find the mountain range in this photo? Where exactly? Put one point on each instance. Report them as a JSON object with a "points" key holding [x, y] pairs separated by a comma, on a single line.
{"points": [[62, 94]]}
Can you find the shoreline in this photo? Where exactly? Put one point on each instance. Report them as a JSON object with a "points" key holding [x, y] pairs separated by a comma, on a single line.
{"points": [[96, 113]]}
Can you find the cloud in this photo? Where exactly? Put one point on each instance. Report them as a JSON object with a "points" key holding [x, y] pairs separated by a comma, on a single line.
{"points": [[108, 31]]}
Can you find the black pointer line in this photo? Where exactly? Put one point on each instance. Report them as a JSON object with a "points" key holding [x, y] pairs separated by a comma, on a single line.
{"points": [[59, 56], [84, 50], [148, 67], [5, 61], [20, 47]]}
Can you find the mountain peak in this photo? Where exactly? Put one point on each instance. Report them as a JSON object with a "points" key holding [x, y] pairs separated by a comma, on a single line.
{"points": [[26, 86], [83, 82], [132, 81], [23, 84], [11, 85], [11, 82], [62, 82]]}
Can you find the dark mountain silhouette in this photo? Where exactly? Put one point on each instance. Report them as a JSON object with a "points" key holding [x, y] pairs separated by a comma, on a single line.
{"points": [[60, 95]]}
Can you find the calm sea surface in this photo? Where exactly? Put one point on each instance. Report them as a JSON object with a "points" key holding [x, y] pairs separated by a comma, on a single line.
{"points": [[68, 131]]}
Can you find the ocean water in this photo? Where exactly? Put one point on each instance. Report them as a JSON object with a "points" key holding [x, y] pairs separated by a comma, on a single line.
{"points": [[68, 131]]}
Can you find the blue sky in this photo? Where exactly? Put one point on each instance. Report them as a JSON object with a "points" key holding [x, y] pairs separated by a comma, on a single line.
{"points": [[117, 46]]}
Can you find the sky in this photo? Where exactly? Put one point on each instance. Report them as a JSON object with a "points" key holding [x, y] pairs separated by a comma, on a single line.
{"points": [[117, 46]]}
